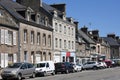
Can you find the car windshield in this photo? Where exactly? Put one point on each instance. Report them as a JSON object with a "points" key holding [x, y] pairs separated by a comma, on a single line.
{"points": [[15, 65], [40, 65]]}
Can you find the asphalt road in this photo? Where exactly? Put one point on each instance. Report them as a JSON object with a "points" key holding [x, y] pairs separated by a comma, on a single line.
{"points": [[104, 74]]}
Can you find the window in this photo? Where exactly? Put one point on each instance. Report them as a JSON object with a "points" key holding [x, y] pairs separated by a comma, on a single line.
{"points": [[1, 13], [25, 36], [14, 38], [10, 58], [56, 42], [10, 38], [32, 57], [42, 19], [47, 65], [49, 40], [44, 39], [60, 43], [28, 15], [64, 29], [32, 37], [72, 45], [25, 56], [46, 21], [72, 32], [68, 30], [2, 36], [65, 44], [30, 65], [38, 18], [69, 44], [60, 30], [38, 38], [56, 27], [44, 56], [24, 66], [50, 57]]}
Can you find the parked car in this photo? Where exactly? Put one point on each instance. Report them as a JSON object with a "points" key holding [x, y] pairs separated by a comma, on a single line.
{"points": [[108, 63], [91, 65], [45, 67], [77, 67], [18, 71], [64, 67], [102, 65]]}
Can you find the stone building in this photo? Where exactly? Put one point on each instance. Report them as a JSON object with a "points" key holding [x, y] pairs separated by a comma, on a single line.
{"points": [[34, 34], [63, 33], [84, 46], [8, 38], [114, 46]]}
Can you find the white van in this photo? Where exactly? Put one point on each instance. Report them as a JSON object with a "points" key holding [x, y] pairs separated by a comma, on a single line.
{"points": [[45, 67]]}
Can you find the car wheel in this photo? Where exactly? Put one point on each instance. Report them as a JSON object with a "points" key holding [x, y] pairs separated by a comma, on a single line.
{"points": [[94, 68], [33, 75], [44, 74], [73, 70], [19, 77], [67, 71], [53, 73], [81, 70]]}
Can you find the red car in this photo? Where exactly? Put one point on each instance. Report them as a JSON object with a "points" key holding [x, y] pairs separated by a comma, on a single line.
{"points": [[108, 63]]}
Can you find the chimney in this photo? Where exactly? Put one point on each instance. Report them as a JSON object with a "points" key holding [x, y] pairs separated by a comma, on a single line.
{"points": [[95, 33], [34, 4], [85, 29], [76, 26], [117, 37], [60, 7], [76, 23], [111, 35]]}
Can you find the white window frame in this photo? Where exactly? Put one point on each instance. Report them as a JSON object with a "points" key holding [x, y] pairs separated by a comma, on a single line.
{"points": [[32, 37], [56, 42], [38, 38], [14, 37], [25, 36], [2, 31]]}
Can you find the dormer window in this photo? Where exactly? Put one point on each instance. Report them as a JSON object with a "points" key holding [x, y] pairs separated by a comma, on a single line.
{"points": [[28, 15], [46, 21], [1, 13], [71, 20], [38, 18], [55, 13], [64, 18]]}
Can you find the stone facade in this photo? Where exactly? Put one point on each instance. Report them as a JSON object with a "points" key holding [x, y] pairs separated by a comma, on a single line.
{"points": [[38, 49], [8, 39]]}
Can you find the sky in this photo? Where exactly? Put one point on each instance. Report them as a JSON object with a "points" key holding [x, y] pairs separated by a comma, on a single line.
{"points": [[102, 15]]}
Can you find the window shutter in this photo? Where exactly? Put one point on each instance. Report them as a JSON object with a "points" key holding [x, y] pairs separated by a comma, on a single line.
{"points": [[2, 36], [6, 60], [15, 57], [6, 36], [2, 60], [14, 38]]}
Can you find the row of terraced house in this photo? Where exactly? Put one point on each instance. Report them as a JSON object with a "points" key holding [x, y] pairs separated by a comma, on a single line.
{"points": [[33, 31]]}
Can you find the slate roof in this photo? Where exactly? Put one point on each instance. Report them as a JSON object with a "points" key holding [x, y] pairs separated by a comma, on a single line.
{"points": [[12, 7], [50, 9], [85, 37], [111, 41]]}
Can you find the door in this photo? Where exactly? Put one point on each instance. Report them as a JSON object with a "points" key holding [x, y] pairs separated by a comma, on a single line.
{"points": [[48, 68], [24, 70]]}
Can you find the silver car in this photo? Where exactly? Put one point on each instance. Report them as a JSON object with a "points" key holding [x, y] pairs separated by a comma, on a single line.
{"points": [[18, 71]]}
